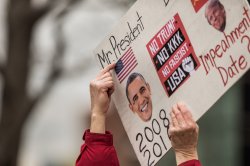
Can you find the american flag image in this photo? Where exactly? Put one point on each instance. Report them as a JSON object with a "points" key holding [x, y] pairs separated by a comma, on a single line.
{"points": [[125, 64]]}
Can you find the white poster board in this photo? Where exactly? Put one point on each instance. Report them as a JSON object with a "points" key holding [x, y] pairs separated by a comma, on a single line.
{"points": [[191, 51]]}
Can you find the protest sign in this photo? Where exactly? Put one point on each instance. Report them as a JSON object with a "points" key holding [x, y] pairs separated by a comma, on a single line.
{"points": [[168, 51]]}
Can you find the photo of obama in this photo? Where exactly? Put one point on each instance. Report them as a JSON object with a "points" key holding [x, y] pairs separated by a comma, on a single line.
{"points": [[138, 93]]}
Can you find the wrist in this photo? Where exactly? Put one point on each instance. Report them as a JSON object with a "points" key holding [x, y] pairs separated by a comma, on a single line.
{"points": [[97, 115], [185, 155], [97, 122], [98, 110]]}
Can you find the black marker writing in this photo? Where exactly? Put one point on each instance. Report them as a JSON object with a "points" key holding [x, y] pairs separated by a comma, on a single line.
{"points": [[119, 45], [166, 2]]}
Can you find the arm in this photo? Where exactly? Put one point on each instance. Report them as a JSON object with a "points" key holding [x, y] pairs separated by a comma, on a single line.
{"points": [[184, 136], [98, 148], [101, 89]]}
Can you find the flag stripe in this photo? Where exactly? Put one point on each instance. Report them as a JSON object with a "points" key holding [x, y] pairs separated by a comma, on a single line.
{"points": [[127, 68], [130, 49], [126, 57], [127, 53], [126, 62], [129, 71]]}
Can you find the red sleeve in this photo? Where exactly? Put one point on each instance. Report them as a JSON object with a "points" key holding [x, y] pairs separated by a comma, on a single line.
{"points": [[191, 163], [98, 149]]}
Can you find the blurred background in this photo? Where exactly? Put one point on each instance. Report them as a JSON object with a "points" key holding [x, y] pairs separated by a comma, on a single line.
{"points": [[46, 64]]}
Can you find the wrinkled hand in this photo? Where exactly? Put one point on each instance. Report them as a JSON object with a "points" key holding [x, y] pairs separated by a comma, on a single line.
{"points": [[184, 133], [101, 89]]}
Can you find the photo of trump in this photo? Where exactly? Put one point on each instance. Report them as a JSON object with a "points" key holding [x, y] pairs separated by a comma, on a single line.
{"points": [[138, 93], [216, 15]]}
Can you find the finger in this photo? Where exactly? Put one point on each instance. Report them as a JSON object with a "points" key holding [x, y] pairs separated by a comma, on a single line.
{"points": [[185, 60], [108, 68], [107, 85], [192, 125], [106, 79], [184, 109], [173, 119], [178, 115], [171, 132], [196, 128], [111, 90], [186, 113], [105, 75]]}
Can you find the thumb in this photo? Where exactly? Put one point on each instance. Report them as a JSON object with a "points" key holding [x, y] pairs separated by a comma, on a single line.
{"points": [[110, 91]]}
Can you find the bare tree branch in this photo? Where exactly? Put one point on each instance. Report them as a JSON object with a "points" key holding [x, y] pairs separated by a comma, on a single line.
{"points": [[2, 70], [64, 9], [56, 68], [36, 14], [124, 3], [56, 64], [31, 103], [55, 75], [21, 15]]}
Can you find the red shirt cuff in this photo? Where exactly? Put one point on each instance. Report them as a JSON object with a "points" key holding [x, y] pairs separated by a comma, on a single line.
{"points": [[98, 138], [191, 163]]}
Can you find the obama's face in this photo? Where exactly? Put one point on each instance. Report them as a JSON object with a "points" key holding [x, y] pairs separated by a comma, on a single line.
{"points": [[139, 96]]}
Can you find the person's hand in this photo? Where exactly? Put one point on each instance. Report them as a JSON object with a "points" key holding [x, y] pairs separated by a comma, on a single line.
{"points": [[101, 89], [183, 133]]}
